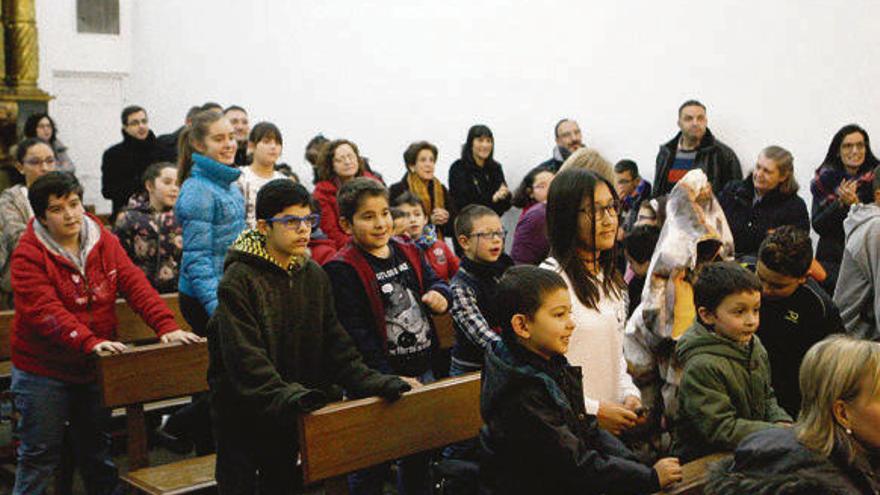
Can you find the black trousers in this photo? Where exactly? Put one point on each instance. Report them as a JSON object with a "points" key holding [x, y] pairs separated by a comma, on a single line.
{"points": [[194, 420]]}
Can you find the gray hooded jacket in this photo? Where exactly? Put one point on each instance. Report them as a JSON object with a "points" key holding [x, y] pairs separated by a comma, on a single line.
{"points": [[855, 294]]}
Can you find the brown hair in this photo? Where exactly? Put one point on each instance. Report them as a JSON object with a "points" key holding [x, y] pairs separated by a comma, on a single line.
{"points": [[412, 152], [592, 160], [197, 131], [785, 163], [325, 159]]}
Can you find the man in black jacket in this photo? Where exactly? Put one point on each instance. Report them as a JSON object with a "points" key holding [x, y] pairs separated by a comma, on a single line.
{"points": [[169, 141], [123, 164], [694, 147], [276, 347]]}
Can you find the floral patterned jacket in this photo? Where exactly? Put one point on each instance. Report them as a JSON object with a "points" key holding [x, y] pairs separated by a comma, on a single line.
{"points": [[153, 241]]}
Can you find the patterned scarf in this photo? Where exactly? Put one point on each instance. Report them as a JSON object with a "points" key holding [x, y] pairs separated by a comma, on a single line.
{"points": [[420, 188]]}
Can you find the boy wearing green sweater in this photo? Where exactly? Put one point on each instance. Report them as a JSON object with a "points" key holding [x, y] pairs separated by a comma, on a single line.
{"points": [[725, 392]]}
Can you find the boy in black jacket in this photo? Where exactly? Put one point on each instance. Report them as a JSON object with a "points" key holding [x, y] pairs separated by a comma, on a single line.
{"points": [[384, 290], [276, 347], [537, 436], [795, 312]]}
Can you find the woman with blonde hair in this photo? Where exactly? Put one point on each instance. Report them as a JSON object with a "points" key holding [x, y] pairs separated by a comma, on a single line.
{"points": [[834, 445], [592, 160], [764, 201]]}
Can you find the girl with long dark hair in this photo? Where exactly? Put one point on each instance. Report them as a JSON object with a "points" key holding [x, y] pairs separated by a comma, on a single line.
{"points": [[582, 221]]}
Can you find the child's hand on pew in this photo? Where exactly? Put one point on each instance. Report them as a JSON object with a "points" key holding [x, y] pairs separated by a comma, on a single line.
{"points": [[109, 346], [181, 336], [435, 301], [668, 471], [615, 418], [392, 390]]}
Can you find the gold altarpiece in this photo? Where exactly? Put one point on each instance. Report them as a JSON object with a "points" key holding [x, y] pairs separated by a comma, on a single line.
{"points": [[19, 71]]}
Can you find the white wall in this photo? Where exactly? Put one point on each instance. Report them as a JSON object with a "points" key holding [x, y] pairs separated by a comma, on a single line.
{"points": [[387, 72], [87, 74]]}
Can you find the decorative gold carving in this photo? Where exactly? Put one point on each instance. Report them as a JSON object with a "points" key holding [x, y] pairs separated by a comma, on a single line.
{"points": [[23, 64]]}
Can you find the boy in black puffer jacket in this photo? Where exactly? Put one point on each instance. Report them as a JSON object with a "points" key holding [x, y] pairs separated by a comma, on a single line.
{"points": [[537, 436], [276, 347]]}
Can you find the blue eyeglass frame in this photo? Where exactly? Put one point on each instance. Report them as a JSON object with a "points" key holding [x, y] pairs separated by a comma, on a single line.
{"points": [[313, 220]]}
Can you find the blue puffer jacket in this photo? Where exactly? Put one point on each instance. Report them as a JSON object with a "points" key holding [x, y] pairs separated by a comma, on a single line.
{"points": [[210, 209]]}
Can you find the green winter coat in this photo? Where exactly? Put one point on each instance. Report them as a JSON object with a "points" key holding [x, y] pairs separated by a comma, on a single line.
{"points": [[725, 393], [276, 348]]}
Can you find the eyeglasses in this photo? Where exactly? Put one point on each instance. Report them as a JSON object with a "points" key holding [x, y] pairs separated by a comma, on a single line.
{"points": [[495, 234], [293, 222], [35, 162], [853, 146], [610, 211]]}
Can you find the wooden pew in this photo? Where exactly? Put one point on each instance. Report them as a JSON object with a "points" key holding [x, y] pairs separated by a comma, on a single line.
{"points": [[348, 436], [445, 330], [132, 329], [154, 373], [694, 476], [5, 352]]}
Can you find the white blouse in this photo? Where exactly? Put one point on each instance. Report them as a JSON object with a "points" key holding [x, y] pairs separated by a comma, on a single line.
{"points": [[597, 346]]}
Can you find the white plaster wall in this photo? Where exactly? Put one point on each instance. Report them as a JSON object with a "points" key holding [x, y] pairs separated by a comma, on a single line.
{"points": [[87, 74], [387, 72]]}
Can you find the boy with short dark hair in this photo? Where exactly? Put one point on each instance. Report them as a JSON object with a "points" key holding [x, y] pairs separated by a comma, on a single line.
{"points": [[276, 347], [638, 247], [537, 436], [725, 392], [380, 285], [795, 312], [474, 315], [415, 225]]}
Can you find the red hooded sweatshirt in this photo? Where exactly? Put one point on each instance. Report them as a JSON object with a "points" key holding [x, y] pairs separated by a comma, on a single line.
{"points": [[62, 313]]}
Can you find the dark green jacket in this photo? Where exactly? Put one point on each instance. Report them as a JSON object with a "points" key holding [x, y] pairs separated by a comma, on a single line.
{"points": [[724, 395], [276, 347]]}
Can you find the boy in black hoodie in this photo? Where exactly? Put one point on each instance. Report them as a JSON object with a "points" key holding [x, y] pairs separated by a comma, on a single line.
{"points": [[276, 347], [537, 436]]}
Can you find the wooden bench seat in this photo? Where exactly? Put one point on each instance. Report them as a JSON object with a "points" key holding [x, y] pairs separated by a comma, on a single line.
{"points": [[171, 479], [152, 373], [694, 475], [347, 436]]}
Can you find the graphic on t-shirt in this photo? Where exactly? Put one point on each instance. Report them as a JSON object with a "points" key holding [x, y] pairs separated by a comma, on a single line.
{"points": [[407, 327]]}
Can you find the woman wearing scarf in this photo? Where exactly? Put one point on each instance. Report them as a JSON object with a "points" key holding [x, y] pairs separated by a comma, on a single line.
{"points": [[843, 179], [421, 159]]}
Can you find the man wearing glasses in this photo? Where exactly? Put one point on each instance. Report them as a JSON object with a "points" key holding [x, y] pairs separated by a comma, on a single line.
{"points": [[123, 164], [568, 140]]}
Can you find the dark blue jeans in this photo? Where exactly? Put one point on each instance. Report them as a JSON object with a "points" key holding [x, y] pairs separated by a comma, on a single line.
{"points": [[45, 406]]}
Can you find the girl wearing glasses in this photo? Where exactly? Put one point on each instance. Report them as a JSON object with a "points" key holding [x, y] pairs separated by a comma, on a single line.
{"points": [[33, 159], [843, 179], [582, 221]]}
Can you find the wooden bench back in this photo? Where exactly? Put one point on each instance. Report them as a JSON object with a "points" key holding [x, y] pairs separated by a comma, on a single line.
{"points": [[694, 476], [133, 329], [5, 333], [351, 435], [152, 372], [145, 374]]}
